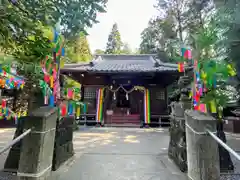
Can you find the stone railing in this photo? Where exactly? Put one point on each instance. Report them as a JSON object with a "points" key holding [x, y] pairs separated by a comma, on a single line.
{"points": [[47, 146]]}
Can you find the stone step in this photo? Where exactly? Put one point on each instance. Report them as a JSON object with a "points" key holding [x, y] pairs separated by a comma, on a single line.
{"points": [[123, 125]]}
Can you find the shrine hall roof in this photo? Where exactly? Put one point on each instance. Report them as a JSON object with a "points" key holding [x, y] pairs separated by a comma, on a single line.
{"points": [[122, 63]]}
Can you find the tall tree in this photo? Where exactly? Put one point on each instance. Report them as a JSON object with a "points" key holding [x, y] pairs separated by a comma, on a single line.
{"points": [[160, 35], [21, 19], [230, 11], [22, 30], [197, 18], [114, 44], [126, 49], [78, 50], [177, 8], [175, 26], [98, 51]]}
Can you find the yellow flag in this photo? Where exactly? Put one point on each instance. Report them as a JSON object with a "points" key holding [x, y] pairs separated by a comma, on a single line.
{"points": [[51, 81], [190, 94], [204, 75], [24, 113], [231, 70], [213, 107], [78, 112], [61, 63]]}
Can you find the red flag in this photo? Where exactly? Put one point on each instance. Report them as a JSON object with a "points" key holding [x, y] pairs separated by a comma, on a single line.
{"points": [[64, 110], [196, 108], [4, 103], [187, 54]]}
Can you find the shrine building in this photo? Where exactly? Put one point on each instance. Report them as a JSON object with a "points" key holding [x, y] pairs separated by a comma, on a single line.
{"points": [[124, 90]]}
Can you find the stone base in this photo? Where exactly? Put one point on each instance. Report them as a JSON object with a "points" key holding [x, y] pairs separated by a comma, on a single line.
{"points": [[12, 161], [177, 145], [63, 148], [226, 164], [62, 154], [178, 152]]}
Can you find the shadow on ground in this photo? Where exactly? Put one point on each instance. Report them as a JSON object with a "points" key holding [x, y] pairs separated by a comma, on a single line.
{"points": [[120, 154]]}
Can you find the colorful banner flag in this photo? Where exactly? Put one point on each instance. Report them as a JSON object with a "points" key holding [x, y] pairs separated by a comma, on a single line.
{"points": [[213, 107], [203, 108], [99, 114], [181, 67], [147, 114]]}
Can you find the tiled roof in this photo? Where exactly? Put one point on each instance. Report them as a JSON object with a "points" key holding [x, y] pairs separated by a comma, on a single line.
{"points": [[121, 63]]}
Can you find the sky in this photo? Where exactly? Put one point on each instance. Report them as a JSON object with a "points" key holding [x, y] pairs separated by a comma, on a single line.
{"points": [[132, 17]]}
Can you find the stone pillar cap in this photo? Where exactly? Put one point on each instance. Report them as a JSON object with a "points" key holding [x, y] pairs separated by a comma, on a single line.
{"points": [[197, 115], [43, 111]]}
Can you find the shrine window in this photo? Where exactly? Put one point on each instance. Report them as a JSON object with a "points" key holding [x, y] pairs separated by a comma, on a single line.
{"points": [[90, 99], [160, 95], [90, 93]]}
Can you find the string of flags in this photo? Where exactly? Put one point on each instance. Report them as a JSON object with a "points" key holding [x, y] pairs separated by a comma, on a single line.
{"points": [[186, 55], [181, 67], [205, 79], [72, 106], [50, 67], [50, 84], [9, 80]]}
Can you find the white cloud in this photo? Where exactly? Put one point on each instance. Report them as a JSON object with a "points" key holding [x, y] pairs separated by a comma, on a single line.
{"points": [[132, 17]]}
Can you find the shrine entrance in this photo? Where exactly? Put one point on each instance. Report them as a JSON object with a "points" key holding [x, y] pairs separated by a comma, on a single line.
{"points": [[125, 107], [122, 99]]}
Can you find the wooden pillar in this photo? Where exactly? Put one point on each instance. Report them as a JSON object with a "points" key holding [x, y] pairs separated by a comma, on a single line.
{"points": [[82, 93]]}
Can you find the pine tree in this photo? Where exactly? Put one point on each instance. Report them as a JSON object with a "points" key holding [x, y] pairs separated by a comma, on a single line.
{"points": [[78, 50], [114, 44]]}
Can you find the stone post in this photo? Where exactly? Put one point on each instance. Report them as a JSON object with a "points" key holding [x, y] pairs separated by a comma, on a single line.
{"points": [[202, 149], [37, 148], [177, 145]]}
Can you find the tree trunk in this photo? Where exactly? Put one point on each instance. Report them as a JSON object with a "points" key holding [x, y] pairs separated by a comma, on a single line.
{"points": [[180, 28]]}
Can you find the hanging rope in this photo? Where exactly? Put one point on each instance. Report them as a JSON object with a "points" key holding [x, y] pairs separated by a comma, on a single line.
{"points": [[126, 91]]}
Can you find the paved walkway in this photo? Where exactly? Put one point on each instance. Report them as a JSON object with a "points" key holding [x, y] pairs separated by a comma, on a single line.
{"points": [[120, 154], [6, 135]]}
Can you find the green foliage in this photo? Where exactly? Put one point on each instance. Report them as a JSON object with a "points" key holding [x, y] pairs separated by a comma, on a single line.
{"points": [[98, 51], [163, 33], [78, 50], [114, 44], [26, 19], [214, 68], [174, 26], [76, 15], [22, 32], [126, 49]]}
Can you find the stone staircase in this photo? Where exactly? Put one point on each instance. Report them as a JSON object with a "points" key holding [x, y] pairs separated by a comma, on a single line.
{"points": [[123, 120]]}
